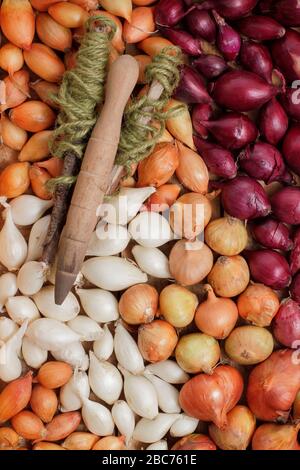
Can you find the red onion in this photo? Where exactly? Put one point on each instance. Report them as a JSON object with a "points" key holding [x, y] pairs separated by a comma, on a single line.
{"points": [[200, 24], [218, 160], [286, 326], [265, 6], [264, 162], [291, 103], [201, 112], [269, 267], [242, 91], [233, 130], [273, 121], [295, 254], [261, 28], [286, 54], [271, 234], [231, 9], [228, 40], [169, 12], [257, 58], [244, 198], [211, 66], [295, 288], [286, 205], [191, 88], [291, 148], [188, 44], [287, 12]]}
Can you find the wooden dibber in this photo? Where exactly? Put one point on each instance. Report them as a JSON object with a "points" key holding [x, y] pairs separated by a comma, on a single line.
{"points": [[94, 175]]}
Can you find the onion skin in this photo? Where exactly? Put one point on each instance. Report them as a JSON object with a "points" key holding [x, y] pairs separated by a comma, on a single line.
{"points": [[157, 341], [139, 304], [242, 91], [229, 276], [291, 148], [190, 214], [169, 12], [216, 316], [211, 66], [14, 179], [158, 168], [197, 352], [276, 437], [233, 243], [163, 198], [295, 288], [195, 442], [228, 40], [258, 304], [238, 433], [188, 43], [248, 345], [273, 386], [244, 198], [256, 58], [18, 22], [261, 28], [219, 161], [286, 205], [177, 305], [201, 25], [269, 267], [201, 112], [286, 54], [286, 326], [296, 407], [16, 89], [192, 171], [211, 397], [271, 234], [191, 88], [273, 122]]}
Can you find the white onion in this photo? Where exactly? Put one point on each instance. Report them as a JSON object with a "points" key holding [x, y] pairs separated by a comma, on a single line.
{"points": [[10, 364], [159, 445], [140, 395], [33, 355], [98, 304], [21, 308], [153, 430], [152, 261], [31, 277], [112, 273], [168, 395], [124, 419], [13, 247], [45, 302], [169, 371], [51, 334], [37, 238], [108, 240], [104, 346], [105, 380], [72, 393], [97, 418], [150, 229], [88, 329], [184, 426], [8, 287], [7, 328], [73, 354], [27, 209], [127, 351]]}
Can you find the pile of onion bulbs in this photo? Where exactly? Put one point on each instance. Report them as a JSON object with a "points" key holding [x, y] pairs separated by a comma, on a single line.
{"points": [[183, 328]]}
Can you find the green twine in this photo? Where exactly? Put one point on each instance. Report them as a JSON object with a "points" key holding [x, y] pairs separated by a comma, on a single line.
{"points": [[82, 89], [137, 138]]}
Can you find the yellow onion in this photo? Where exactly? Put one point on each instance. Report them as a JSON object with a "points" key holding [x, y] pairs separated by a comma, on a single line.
{"points": [[43, 61], [68, 14], [43, 5], [80, 441], [296, 407], [258, 304], [276, 437], [37, 147], [197, 352], [157, 340], [52, 33], [43, 403], [248, 345], [12, 135], [177, 305], [190, 262], [47, 446], [18, 22], [143, 61], [33, 116], [139, 304], [238, 432], [180, 125], [54, 374], [141, 25], [195, 442], [38, 180], [45, 91], [216, 316], [110, 443], [28, 425], [163, 198], [154, 45], [192, 171], [86, 4], [158, 168], [190, 214], [121, 8], [62, 426], [230, 276], [16, 90], [11, 58], [14, 180], [54, 166], [9, 439], [226, 236]]}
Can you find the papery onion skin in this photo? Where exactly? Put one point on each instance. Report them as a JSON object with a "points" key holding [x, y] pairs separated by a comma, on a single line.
{"points": [[244, 198], [195, 442], [192, 171], [261, 28], [238, 432], [158, 168], [286, 326], [216, 316], [14, 179], [139, 304], [273, 386], [191, 88], [200, 24], [258, 304], [291, 148], [197, 352], [286, 205], [211, 397], [273, 121], [276, 437], [33, 116], [219, 161], [18, 22], [271, 234], [226, 236], [269, 267], [157, 340], [16, 89], [177, 305], [286, 52], [230, 276], [248, 345]]}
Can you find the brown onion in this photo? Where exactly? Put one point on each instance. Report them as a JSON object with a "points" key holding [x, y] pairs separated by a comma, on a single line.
{"points": [[68, 15], [18, 22], [12, 136], [157, 340], [273, 386], [62, 426], [52, 33], [11, 58], [139, 304], [296, 407], [276, 437], [238, 432], [43, 403], [190, 214], [230, 276], [28, 425], [195, 442], [197, 352], [216, 316], [211, 397], [33, 116], [46, 91], [158, 168], [226, 236], [190, 262], [110, 443], [248, 345], [258, 304], [192, 171], [177, 305], [16, 90], [54, 374], [44, 62]]}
